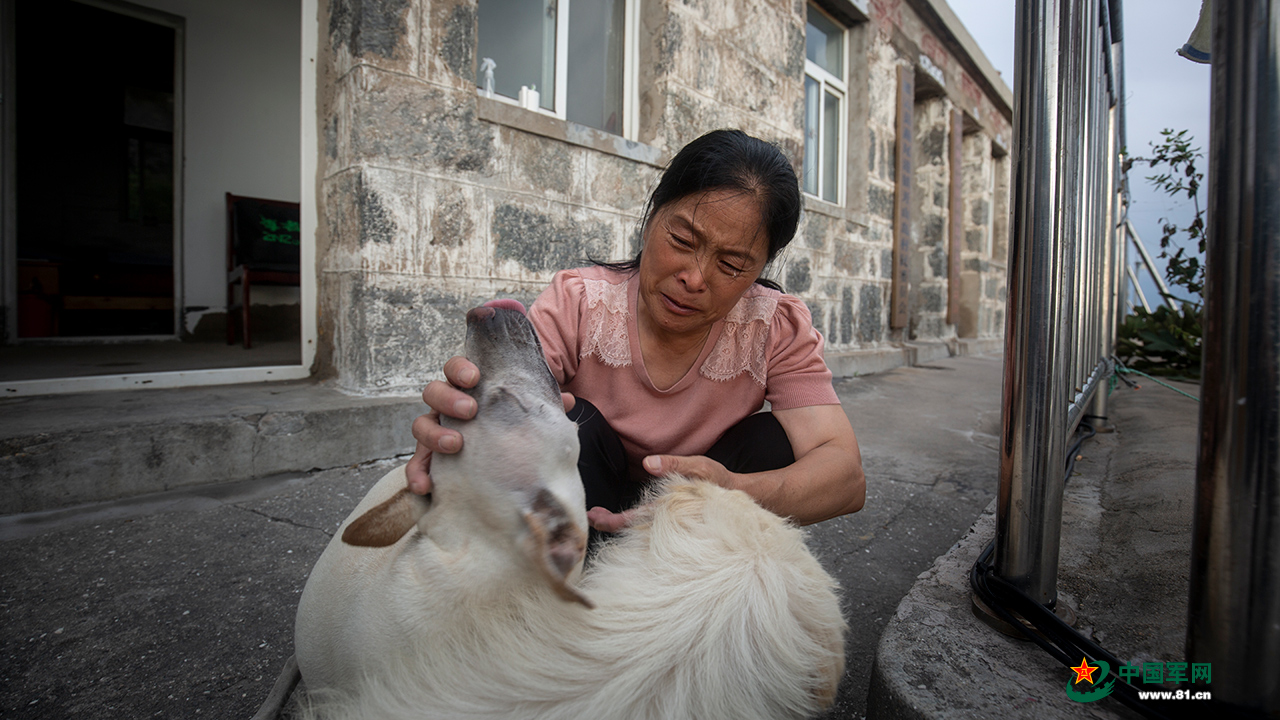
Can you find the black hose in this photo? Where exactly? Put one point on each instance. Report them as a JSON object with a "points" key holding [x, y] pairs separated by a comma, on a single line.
{"points": [[1061, 641]]}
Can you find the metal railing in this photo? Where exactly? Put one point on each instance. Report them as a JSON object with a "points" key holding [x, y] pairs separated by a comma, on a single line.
{"points": [[1066, 266], [1067, 269], [1234, 607]]}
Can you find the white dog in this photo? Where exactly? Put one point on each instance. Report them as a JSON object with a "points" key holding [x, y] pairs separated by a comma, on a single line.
{"points": [[474, 604]]}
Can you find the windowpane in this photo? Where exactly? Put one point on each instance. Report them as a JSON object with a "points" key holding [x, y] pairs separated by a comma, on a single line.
{"points": [[519, 36], [824, 43], [596, 42], [830, 147], [812, 124]]}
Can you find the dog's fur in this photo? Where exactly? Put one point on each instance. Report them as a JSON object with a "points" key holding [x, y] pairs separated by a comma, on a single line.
{"points": [[708, 606]]}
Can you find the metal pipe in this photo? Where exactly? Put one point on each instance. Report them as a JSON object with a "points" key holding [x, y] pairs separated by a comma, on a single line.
{"points": [[1085, 336], [1234, 608], [1137, 288], [1029, 500], [1146, 260], [1075, 146]]}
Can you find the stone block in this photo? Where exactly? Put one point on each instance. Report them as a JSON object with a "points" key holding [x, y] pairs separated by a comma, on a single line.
{"points": [[397, 121], [932, 231], [816, 316], [932, 298], [382, 33], [816, 230], [995, 288], [850, 259], [980, 211], [880, 201], [799, 279], [937, 257], [846, 315], [542, 241], [451, 219], [931, 144], [528, 163], [975, 240], [395, 332], [617, 183], [449, 54], [870, 313]]}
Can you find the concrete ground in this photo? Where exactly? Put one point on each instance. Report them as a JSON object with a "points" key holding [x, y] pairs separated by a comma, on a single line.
{"points": [[1124, 567], [181, 604]]}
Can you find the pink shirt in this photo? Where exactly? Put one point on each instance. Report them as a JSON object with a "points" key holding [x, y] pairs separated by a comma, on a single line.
{"points": [[765, 348]]}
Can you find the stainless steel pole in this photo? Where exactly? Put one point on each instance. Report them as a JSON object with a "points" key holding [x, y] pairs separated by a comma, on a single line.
{"points": [[1137, 287], [1234, 608], [1109, 286], [1029, 501], [1071, 108], [1146, 260]]}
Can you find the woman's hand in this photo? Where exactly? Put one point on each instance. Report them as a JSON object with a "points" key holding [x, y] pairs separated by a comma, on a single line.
{"points": [[691, 466], [825, 481], [444, 398], [608, 521], [700, 467]]}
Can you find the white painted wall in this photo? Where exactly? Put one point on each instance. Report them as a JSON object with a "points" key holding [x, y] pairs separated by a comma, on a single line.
{"points": [[241, 128]]}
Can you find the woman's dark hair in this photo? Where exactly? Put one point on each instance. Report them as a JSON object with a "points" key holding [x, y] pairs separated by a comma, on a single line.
{"points": [[731, 160]]}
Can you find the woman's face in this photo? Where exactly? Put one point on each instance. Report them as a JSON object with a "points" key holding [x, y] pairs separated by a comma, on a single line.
{"points": [[701, 253]]}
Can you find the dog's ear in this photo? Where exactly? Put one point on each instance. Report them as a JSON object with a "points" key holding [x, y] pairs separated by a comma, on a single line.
{"points": [[555, 543], [386, 523]]}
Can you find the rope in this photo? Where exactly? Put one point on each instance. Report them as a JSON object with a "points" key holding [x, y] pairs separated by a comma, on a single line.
{"points": [[1122, 370]]}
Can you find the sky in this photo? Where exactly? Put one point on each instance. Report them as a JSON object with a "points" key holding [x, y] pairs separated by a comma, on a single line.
{"points": [[1162, 90]]}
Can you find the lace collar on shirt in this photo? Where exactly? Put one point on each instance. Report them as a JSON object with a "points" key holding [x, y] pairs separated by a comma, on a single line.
{"points": [[740, 348]]}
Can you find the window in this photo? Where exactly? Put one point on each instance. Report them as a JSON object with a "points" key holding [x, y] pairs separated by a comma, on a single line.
{"points": [[578, 55], [824, 106]]}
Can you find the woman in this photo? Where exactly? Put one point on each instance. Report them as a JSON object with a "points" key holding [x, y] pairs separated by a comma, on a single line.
{"points": [[665, 360]]}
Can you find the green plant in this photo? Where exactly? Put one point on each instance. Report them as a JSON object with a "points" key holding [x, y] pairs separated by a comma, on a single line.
{"points": [[1185, 271], [1166, 341], [1162, 342]]}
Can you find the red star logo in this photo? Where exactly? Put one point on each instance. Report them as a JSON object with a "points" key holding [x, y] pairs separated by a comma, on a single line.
{"points": [[1084, 671]]}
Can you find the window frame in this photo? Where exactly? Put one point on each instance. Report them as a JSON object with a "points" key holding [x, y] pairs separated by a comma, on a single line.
{"points": [[829, 84], [630, 70]]}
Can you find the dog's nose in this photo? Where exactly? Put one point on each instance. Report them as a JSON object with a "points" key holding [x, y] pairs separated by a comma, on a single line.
{"points": [[480, 314]]}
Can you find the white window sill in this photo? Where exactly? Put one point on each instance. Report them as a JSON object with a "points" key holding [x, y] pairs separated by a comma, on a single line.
{"points": [[815, 204], [512, 115]]}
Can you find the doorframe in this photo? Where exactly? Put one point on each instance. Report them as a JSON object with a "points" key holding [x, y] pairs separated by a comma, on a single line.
{"points": [[308, 219]]}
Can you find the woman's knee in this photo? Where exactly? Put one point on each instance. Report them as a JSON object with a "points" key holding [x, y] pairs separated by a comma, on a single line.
{"points": [[758, 443]]}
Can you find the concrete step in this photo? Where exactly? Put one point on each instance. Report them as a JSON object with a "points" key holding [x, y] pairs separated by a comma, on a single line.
{"points": [[1127, 519], [63, 450]]}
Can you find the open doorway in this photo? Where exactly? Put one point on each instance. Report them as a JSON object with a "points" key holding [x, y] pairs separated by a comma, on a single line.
{"points": [[127, 125], [94, 172]]}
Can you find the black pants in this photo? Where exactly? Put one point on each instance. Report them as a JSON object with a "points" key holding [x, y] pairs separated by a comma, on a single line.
{"points": [[756, 444]]}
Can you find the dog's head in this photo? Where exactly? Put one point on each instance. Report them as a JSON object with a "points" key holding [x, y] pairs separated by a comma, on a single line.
{"points": [[517, 474]]}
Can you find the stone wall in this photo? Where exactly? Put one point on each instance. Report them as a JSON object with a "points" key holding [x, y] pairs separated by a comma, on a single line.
{"points": [[986, 226], [929, 251], [433, 198]]}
